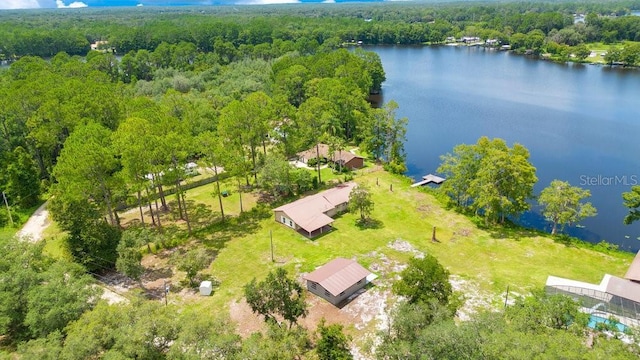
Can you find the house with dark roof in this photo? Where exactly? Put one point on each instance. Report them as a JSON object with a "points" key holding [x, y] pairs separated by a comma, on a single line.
{"points": [[311, 215], [613, 296], [337, 280], [344, 158]]}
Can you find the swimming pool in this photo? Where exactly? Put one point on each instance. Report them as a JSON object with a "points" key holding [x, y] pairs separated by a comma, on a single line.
{"points": [[594, 320]]}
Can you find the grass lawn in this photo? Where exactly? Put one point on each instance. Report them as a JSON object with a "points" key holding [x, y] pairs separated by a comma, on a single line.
{"points": [[492, 259], [55, 243]]}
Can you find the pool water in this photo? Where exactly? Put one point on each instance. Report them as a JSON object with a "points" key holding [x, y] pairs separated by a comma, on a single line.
{"points": [[594, 320]]}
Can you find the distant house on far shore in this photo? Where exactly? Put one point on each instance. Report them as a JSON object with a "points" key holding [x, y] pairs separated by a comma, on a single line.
{"points": [[344, 158]]}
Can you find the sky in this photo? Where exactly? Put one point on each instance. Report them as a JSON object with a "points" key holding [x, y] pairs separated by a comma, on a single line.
{"points": [[52, 4]]}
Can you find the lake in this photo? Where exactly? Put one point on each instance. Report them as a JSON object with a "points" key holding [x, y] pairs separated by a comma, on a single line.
{"points": [[581, 123]]}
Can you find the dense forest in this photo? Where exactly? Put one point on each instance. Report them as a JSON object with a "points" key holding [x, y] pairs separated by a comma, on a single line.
{"points": [[96, 131], [237, 32]]}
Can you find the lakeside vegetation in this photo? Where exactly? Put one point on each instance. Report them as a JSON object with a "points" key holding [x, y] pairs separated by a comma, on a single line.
{"points": [[236, 92]]}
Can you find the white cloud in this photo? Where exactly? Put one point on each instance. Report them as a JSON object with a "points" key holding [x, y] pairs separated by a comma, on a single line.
{"points": [[19, 4], [76, 4]]}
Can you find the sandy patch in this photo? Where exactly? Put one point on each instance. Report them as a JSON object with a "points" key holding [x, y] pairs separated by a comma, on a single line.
{"points": [[475, 299], [404, 246], [35, 226]]}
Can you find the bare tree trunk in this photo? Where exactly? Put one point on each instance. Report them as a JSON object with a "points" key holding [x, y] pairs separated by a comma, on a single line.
{"points": [[157, 212], [178, 191], [318, 163], [253, 159], [140, 207], [240, 193], [153, 219], [186, 215], [215, 171], [107, 200], [160, 192]]}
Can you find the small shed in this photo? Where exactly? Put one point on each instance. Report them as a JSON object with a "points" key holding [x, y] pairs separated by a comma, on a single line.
{"points": [[337, 280], [205, 288]]}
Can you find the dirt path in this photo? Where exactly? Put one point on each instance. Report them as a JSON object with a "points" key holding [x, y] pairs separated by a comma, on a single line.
{"points": [[35, 226]]}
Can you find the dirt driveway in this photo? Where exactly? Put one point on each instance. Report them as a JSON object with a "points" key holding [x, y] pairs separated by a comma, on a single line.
{"points": [[35, 226]]}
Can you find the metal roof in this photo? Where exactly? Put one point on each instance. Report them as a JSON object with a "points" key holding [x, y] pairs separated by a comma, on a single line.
{"points": [[309, 212], [634, 269], [338, 275]]}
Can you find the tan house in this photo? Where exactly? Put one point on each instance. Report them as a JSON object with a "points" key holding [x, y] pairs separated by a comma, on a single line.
{"points": [[345, 158], [337, 280], [311, 215]]}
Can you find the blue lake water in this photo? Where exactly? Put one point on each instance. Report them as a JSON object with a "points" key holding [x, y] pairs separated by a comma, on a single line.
{"points": [[581, 123]]}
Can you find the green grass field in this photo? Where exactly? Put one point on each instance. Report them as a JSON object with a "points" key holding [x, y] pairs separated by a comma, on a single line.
{"points": [[493, 259]]}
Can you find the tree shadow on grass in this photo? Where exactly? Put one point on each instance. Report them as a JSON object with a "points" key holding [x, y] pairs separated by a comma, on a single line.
{"points": [[369, 223], [217, 234], [155, 274], [201, 215]]}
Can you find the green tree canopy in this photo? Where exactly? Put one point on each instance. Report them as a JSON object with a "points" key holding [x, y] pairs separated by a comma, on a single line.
{"points": [[494, 179], [360, 201], [632, 202], [424, 280], [278, 296], [333, 343], [562, 204]]}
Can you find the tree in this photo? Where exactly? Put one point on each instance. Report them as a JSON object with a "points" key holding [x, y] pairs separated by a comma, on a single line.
{"points": [[563, 204], [632, 202], [385, 137], [192, 262], [129, 255], [63, 294], [85, 167], [504, 180], [360, 200], [460, 168], [333, 343], [21, 263], [135, 143], [424, 280], [278, 296], [581, 52], [92, 241], [205, 337], [315, 114], [275, 176], [373, 65], [212, 149], [279, 343], [20, 179]]}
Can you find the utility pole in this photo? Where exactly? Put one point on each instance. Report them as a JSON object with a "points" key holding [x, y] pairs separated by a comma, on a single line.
{"points": [[506, 298], [166, 291], [8, 209]]}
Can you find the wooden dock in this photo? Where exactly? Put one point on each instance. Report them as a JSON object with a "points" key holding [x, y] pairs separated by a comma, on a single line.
{"points": [[429, 179]]}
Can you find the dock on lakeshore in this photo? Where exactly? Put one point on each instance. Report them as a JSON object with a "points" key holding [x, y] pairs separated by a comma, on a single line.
{"points": [[428, 179]]}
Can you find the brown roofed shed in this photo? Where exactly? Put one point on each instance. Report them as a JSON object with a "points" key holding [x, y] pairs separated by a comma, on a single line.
{"points": [[337, 280]]}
